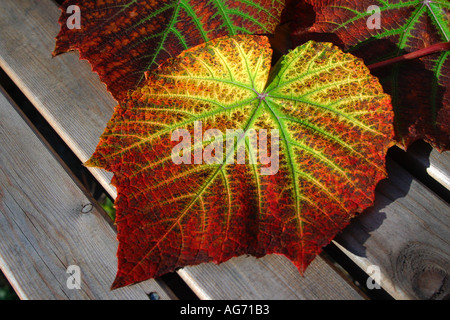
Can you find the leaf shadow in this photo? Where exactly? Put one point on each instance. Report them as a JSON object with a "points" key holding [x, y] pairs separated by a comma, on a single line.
{"points": [[300, 16], [386, 207]]}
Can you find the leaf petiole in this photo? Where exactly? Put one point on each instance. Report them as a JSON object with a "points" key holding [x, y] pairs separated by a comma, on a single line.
{"points": [[443, 46]]}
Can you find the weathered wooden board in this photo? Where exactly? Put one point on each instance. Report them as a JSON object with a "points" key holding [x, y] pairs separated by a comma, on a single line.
{"points": [[47, 223], [28, 29], [436, 164], [76, 104]]}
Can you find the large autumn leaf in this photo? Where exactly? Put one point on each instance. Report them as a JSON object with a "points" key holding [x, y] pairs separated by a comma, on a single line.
{"points": [[123, 39], [420, 89], [334, 125]]}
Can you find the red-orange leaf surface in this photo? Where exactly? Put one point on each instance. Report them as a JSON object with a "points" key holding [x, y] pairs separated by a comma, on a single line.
{"points": [[333, 123], [123, 39], [420, 89]]}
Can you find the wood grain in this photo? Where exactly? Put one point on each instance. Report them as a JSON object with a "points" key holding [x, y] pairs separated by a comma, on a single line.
{"points": [[47, 223], [436, 164], [63, 88], [272, 277]]}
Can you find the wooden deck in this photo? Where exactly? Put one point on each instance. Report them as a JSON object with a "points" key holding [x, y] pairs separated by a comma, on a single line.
{"points": [[49, 220]]}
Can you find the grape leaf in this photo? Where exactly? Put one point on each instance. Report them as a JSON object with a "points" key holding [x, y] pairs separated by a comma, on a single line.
{"points": [[124, 39], [334, 125], [419, 89]]}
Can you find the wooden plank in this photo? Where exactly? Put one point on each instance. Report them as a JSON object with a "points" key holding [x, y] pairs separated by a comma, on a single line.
{"points": [[64, 90], [47, 223], [53, 85], [407, 235], [436, 164], [272, 277], [439, 167]]}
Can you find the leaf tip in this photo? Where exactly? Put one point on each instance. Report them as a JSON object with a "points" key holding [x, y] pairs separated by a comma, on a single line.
{"points": [[118, 283], [95, 162]]}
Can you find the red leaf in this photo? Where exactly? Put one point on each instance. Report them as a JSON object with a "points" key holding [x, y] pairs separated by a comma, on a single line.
{"points": [[334, 125], [123, 39]]}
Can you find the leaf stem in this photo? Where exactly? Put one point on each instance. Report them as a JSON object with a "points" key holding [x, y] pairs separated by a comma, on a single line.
{"points": [[443, 46]]}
